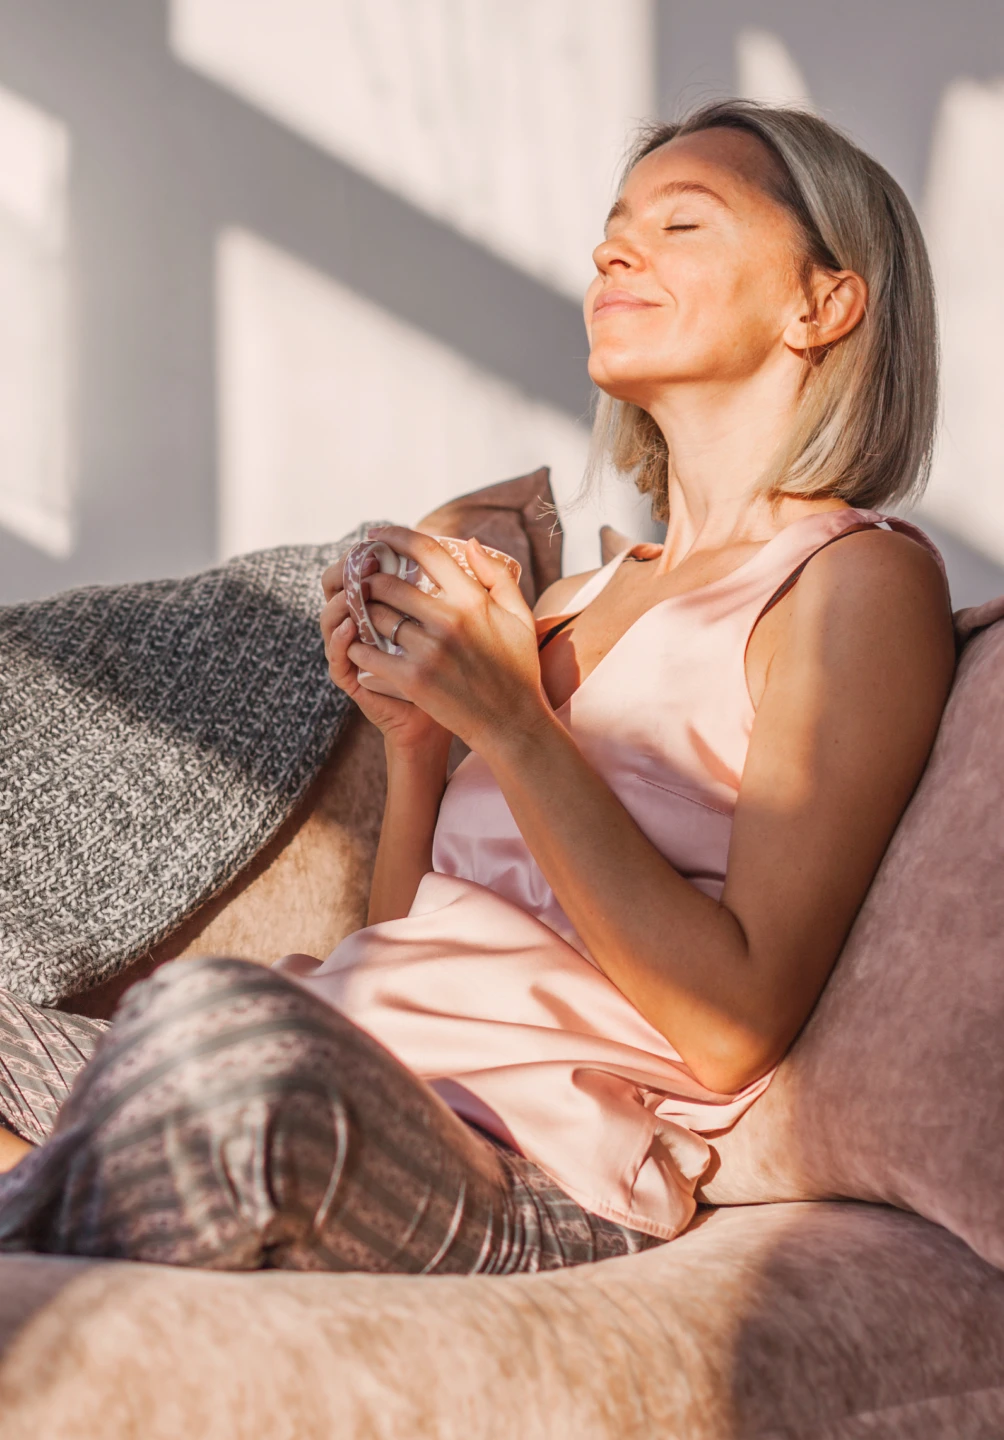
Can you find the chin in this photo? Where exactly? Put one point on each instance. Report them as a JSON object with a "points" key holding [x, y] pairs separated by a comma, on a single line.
{"points": [[621, 382]]}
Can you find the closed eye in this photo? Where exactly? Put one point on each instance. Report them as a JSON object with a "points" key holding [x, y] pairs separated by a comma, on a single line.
{"points": [[681, 227]]}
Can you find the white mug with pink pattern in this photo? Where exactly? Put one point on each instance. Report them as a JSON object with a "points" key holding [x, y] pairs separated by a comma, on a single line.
{"points": [[391, 563]]}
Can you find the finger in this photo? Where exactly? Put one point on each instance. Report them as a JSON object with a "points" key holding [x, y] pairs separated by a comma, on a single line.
{"points": [[498, 580], [434, 560], [331, 580], [369, 657], [332, 616], [339, 640], [404, 598], [340, 667], [385, 620]]}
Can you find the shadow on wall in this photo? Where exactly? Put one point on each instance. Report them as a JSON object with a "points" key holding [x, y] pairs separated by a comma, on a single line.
{"points": [[163, 163]]}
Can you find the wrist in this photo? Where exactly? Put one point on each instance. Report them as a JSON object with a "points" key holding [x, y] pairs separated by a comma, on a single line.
{"points": [[427, 756], [523, 743]]}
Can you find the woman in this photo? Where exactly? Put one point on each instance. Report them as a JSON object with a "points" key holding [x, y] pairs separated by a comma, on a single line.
{"points": [[593, 946]]}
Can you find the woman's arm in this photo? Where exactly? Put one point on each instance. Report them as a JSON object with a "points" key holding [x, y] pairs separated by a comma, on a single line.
{"points": [[415, 784], [416, 748], [860, 668], [855, 688]]}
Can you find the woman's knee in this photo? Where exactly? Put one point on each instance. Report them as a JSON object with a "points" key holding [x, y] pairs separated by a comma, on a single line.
{"points": [[206, 982]]}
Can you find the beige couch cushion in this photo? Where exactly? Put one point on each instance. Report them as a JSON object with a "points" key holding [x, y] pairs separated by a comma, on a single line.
{"points": [[807, 1322], [895, 1089]]}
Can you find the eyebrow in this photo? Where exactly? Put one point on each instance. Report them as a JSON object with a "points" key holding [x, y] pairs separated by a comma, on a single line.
{"points": [[620, 207]]}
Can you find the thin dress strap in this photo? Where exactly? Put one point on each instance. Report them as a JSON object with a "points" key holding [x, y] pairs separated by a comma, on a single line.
{"points": [[885, 522]]}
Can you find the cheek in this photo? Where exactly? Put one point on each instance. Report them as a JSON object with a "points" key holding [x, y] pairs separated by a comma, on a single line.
{"points": [[736, 308]]}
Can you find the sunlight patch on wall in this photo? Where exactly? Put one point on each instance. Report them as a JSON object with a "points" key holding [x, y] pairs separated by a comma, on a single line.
{"points": [[36, 500], [506, 118], [766, 70], [333, 411], [964, 213]]}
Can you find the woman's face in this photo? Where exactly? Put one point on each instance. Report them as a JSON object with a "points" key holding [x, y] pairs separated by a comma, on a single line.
{"points": [[697, 276]]}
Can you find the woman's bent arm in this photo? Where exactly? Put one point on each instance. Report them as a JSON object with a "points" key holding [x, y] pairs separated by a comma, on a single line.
{"points": [[415, 784], [855, 689]]}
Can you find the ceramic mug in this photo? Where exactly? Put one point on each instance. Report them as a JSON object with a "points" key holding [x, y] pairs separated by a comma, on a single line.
{"points": [[391, 563]]}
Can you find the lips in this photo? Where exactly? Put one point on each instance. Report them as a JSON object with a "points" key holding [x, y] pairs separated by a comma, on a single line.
{"points": [[609, 301]]}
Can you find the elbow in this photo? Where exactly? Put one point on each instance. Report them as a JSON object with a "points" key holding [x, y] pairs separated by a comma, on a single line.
{"points": [[734, 1063]]}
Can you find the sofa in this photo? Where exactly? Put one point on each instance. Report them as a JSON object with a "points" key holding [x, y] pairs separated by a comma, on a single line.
{"points": [[843, 1277]]}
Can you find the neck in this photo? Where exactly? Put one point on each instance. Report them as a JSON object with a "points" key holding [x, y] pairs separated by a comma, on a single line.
{"points": [[721, 436]]}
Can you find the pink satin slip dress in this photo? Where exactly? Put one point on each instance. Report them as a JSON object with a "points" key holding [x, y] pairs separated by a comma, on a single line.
{"points": [[486, 991]]}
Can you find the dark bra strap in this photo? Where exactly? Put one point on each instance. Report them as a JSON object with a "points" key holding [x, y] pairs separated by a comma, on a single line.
{"points": [[556, 629]]}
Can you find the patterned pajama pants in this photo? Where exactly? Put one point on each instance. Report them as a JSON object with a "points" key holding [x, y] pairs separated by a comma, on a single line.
{"points": [[231, 1120]]}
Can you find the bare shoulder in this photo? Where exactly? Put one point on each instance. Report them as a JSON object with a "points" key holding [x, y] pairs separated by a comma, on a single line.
{"points": [[555, 598], [874, 586], [875, 559], [874, 599]]}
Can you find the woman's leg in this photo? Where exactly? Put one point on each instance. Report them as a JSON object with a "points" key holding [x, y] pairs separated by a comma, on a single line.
{"points": [[233, 1120]]}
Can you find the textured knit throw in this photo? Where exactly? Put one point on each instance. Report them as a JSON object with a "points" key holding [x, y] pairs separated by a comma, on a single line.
{"points": [[153, 737]]}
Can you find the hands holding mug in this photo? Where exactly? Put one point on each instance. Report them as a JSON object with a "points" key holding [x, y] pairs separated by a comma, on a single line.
{"points": [[431, 637]]}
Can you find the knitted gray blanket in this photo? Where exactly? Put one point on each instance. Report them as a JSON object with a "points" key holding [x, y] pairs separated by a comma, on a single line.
{"points": [[153, 737]]}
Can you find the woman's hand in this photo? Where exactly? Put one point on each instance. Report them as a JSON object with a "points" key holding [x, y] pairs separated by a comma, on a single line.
{"points": [[406, 729], [470, 652]]}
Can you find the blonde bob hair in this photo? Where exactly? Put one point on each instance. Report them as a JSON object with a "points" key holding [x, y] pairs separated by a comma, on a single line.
{"points": [[865, 424]]}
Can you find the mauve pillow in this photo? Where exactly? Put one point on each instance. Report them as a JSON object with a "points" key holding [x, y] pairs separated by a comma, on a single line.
{"points": [[894, 1091], [515, 516]]}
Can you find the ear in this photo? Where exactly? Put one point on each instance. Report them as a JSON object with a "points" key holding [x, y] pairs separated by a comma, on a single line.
{"points": [[835, 303]]}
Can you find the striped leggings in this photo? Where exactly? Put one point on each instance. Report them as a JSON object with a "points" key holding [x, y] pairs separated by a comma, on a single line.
{"points": [[231, 1120]]}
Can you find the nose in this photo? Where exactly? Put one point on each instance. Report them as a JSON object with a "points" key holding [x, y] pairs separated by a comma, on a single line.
{"points": [[617, 252]]}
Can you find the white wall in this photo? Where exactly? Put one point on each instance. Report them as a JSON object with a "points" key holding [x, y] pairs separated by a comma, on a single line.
{"points": [[36, 462], [507, 121], [332, 411], [271, 266], [964, 221], [507, 118]]}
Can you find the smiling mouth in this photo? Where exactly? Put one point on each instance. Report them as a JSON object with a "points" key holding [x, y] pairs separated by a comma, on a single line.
{"points": [[615, 301]]}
